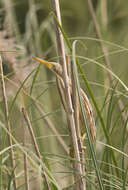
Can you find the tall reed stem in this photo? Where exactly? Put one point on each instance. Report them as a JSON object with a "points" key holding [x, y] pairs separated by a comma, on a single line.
{"points": [[70, 114]]}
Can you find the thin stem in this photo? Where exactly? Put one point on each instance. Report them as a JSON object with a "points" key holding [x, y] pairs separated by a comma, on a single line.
{"points": [[26, 166], [104, 13], [27, 120], [98, 33], [62, 61], [12, 157]]}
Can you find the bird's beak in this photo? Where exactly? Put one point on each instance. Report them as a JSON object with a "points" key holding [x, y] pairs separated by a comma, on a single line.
{"points": [[48, 64]]}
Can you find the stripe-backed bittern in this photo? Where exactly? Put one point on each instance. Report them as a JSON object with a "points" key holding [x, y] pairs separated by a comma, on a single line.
{"points": [[56, 68]]}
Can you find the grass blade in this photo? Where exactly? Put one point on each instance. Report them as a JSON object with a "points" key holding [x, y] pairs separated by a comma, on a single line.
{"points": [[93, 154], [20, 88]]}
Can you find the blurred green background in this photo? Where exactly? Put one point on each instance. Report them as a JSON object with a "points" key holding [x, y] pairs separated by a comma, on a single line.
{"points": [[35, 27]]}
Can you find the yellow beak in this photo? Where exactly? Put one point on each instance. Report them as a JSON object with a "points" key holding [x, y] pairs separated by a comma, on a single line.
{"points": [[48, 64]]}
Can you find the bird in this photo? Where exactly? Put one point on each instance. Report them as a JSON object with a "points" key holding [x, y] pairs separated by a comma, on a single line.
{"points": [[56, 68]]}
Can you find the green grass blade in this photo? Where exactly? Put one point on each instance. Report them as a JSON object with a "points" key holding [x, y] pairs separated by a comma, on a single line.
{"points": [[10, 180], [91, 146], [34, 78], [20, 88]]}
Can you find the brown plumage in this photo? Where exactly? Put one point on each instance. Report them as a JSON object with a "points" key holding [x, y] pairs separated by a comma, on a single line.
{"points": [[57, 70]]}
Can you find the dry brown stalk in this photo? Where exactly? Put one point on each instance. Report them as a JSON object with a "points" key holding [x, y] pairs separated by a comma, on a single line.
{"points": [[104, 14], [27, 120], [12, 157], [70, 115], [26, 167]]}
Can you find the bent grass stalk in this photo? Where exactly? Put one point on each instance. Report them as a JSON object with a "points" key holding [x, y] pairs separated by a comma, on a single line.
{"points": [[27, 120]]}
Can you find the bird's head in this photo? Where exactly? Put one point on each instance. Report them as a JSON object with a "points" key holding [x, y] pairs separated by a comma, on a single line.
{"points": [[53, 66]]}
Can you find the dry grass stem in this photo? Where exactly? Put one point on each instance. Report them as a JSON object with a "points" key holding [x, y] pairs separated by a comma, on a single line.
{"points": [[12, 157], [104, 14], [98, 33], [26, 176], [70, 111], [27, 120]]}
